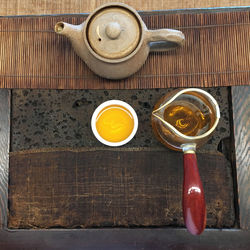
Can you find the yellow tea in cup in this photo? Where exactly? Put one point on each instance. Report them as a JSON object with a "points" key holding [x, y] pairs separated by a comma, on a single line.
{"points": [[114, 123]]}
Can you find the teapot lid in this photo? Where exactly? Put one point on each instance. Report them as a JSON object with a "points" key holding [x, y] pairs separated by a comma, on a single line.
{"points": [[113, 32]]}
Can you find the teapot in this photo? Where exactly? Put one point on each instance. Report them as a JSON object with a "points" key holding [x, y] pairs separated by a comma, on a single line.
{"points": [[183, 120], [114, 41]]}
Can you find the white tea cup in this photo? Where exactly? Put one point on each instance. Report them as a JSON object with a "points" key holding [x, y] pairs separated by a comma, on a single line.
{"points": [[113, 103]]}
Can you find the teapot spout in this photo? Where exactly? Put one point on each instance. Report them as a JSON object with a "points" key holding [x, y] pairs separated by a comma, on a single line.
{"points": [[73, 32], [69, 30]]}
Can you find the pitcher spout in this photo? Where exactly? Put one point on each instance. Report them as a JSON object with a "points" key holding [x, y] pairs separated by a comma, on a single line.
{"points": [[158, 115]]}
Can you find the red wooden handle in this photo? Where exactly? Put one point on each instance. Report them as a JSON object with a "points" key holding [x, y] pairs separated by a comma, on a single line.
{"points": [[193, 200]]}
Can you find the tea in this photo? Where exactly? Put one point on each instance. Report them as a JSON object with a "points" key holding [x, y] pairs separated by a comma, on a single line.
{"points": [[187, 118], [114, 123]]}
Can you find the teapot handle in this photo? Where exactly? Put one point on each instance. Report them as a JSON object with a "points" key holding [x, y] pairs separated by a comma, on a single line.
{"points": [[165, 39]]}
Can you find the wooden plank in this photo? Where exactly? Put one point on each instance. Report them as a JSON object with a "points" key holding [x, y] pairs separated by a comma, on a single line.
{"points": [[4, 151], [124, 239], [211, 55], [26, 7], [241, 114], [79, 189]]}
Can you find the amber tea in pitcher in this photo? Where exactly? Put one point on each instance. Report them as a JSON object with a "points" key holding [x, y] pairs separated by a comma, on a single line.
{"points": [[187, 118], [190, 113]]}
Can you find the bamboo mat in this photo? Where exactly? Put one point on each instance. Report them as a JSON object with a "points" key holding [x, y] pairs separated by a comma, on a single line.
{"points": [[216, 53]]}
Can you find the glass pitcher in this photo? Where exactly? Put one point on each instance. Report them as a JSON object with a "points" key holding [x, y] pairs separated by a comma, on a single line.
{"points": [[184, 120]]}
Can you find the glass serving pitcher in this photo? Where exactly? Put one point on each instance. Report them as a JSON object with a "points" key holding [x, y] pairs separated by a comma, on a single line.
{"points": [[184, 120]]}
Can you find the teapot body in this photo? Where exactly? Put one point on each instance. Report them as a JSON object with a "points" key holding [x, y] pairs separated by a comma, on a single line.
{"points": [[114, 68], [117, 70]]}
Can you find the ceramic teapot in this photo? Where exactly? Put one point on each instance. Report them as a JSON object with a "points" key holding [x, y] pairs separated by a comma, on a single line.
{"points": [[114, 41]]}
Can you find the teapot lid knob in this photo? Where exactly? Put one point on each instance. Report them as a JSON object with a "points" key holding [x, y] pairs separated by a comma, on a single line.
{"points": [[113, 30]]}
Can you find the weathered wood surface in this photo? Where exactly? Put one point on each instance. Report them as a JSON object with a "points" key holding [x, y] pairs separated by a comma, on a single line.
{"points": [[4, 151], [241, 115], [34, 56], [78, 189], [124, 239], [37, 7]]}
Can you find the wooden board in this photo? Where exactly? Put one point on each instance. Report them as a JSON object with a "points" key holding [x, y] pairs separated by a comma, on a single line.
{"points": [[26, 7], [241, 115], [75, 189], [33, 56], [124, 239], [4, 149]]}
